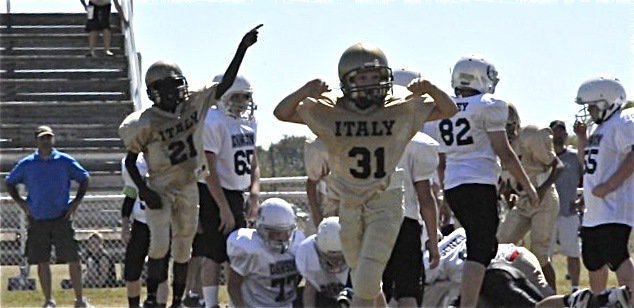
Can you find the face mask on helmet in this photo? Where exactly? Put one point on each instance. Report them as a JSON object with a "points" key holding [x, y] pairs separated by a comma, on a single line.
{"points": [[239, 105], [601, 98], [368, 86], [328, 246], [365, 76], [169, 92], [277, 239], [166, 86], [237, 101], [276, 224], [474, 73]]}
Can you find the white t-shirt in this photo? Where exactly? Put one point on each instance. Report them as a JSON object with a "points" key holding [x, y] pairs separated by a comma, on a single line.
{"points": [[608, 146], [233, 141], [270, 278], [130, 190], [419, 163], [307, 260], [463, 137]]}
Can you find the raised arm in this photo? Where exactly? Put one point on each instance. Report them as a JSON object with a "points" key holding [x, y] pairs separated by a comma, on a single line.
{"points": [[286, 110], [445, 106], [232, 71]]}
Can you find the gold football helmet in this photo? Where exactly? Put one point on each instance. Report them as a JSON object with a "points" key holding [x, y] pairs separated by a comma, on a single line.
{"points": [[166, 86], [360, 58]]}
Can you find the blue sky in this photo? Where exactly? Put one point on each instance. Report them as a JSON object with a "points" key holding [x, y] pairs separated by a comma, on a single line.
{"points": [[543, 50]]}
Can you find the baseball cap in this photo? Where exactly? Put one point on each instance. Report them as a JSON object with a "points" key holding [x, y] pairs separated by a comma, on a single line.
{"points": [[43, 131], [556, 123]]}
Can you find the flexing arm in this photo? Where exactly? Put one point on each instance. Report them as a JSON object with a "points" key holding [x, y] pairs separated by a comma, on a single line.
{"points": [[232, 71], [503, 149], [227, 221], [428, 212], [445, 106], [234, 285], [286, 110], [83, 2], [615, 181]]}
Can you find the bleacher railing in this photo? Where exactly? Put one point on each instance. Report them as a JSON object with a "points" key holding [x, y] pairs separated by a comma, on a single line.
{"points": [[134, 58]]}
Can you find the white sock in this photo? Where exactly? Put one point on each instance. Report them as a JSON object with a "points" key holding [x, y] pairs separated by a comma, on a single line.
{"points": [[210, 294]]}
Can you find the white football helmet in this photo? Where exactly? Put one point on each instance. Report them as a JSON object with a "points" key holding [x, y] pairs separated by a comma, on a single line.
{"points": [[607, 94], [328, 246], [403, 77], [276, 224], [474, 72], [235, 108]]}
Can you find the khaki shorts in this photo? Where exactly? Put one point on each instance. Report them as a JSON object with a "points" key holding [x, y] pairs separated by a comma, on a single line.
{"points": [[539, 220]]}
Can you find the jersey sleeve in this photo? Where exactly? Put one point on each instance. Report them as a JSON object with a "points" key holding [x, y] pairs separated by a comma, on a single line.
{"points": [[76, 170], [212, 132], [316, 160], [624, 136], [420, 111], [135, 133], [16, 175], [205, 97], [540, 143], [242, 260], [424, 160], [312, 111], [494, 115]]}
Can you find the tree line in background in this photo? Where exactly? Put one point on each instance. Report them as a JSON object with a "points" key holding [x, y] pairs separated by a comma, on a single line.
{"points": [[286, 157]]}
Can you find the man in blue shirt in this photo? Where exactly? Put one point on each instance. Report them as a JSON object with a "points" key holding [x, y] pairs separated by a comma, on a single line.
{"points": [[46, 174]]}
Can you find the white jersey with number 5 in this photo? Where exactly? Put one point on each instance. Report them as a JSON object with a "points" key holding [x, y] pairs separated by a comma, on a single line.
{"points": [[464, 139], [233, 142], [608, 146], [270, 278]]}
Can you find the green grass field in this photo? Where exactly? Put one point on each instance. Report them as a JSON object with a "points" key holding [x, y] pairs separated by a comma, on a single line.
{"points": [[116, 297]]}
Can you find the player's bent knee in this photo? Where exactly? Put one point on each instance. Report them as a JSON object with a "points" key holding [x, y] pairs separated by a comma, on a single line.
{"points": [[158, 249]]}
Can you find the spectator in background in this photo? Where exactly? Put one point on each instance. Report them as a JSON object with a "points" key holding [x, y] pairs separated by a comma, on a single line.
{"points": [[98, 19], [47, 174], [568, 222], [100, 268]]}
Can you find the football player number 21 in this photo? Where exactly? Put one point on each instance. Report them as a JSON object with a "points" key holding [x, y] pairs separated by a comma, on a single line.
{"points": [[461, 128], [180, 150], [364, 162]]}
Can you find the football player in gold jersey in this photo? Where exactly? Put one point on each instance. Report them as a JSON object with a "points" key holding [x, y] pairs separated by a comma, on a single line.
{"points": [[365, 131], [169, 135], [536, 152]]}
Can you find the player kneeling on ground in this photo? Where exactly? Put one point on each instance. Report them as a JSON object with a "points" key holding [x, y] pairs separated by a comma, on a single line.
{"points": [[263, 271], [320, 261]]}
